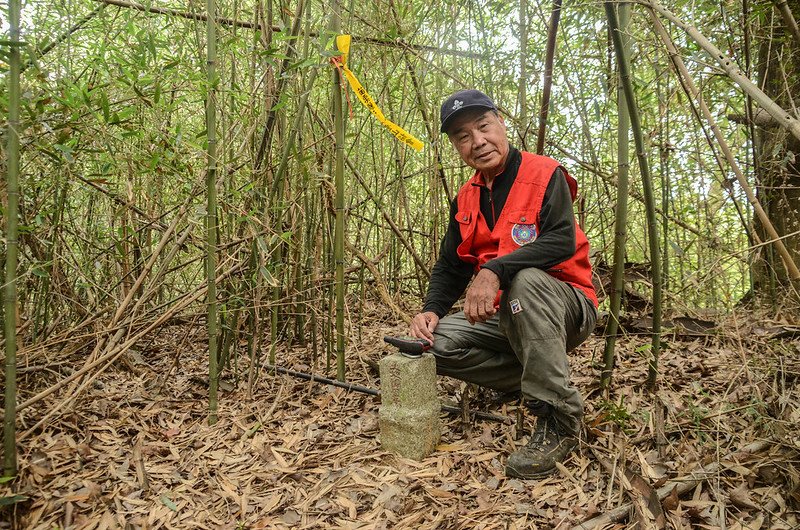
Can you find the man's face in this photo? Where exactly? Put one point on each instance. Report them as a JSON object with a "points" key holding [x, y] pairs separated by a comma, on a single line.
{"points": [[480, 138]]}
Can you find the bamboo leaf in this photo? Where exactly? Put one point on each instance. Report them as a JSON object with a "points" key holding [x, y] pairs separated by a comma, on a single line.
{"points": [[268, 277], [14, 499], [166, 501]]}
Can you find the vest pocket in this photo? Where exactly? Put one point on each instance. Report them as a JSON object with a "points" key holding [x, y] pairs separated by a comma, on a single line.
{"points": [[522, 217], [521, 225]]}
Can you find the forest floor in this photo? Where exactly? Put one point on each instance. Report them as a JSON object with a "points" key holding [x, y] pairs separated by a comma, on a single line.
{"points": [[136, 451]]}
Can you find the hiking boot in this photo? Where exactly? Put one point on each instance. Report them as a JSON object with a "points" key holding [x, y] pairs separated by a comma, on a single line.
{"points": [[549, 443]]}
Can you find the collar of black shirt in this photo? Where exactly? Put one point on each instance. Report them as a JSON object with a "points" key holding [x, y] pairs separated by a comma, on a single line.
{"points": [[509, 172]]}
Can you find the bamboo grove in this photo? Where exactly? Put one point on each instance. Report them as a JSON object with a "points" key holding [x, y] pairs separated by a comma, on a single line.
{"points": [[206, 165]]}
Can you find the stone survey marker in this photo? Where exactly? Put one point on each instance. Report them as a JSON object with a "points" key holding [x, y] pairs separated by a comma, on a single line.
{"points": [[409, 412]]}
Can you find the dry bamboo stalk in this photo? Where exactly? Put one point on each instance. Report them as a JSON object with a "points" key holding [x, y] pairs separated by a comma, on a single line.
{"points": [[110, 344], [125, 346], [789, 20], [783, 118], [684, 75], [149, 265], [681, 485]]}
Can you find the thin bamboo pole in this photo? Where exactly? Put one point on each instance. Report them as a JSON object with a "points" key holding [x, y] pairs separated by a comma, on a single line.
{"points": [[313, 378], [211, 207], [338, 248], [12, 248], [647, 188], [621, 211], [552, 33], [522, 94]]}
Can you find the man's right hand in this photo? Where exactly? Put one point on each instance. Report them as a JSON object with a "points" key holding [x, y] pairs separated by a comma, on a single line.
{"points": [[423, 324]]}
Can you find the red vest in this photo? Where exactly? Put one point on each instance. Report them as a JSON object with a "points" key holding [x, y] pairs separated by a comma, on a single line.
{"points": [[519, 222]]}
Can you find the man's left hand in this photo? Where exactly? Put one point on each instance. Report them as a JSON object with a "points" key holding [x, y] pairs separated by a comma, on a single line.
{"points": [[479, 303]]}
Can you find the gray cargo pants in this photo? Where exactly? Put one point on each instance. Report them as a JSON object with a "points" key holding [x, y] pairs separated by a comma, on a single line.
{"points": [[523, 347]]}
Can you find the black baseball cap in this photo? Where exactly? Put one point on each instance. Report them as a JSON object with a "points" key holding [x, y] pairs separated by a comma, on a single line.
{"points": [[461, 101]]}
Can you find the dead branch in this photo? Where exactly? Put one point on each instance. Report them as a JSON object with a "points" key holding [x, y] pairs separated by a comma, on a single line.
{"points": [[761, 118], [788, 19], [200, 17], [682, 485]]}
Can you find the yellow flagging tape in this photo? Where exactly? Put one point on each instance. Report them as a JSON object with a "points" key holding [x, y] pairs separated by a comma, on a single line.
{"points": [[343, 45]]}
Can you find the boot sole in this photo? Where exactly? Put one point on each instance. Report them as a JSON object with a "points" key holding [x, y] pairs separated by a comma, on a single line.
{"points": [[511, 472]]}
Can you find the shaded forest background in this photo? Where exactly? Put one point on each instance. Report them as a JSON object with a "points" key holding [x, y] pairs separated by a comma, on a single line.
{"points": [[114, 164]]}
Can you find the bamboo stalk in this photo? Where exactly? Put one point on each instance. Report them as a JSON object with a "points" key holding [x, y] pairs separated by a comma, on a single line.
{"points": [[692, 89], [620, 213], [552, 33], [338, 249], [12, 244], [647, 188], [211, 207], [782, 117], [522, 89]]}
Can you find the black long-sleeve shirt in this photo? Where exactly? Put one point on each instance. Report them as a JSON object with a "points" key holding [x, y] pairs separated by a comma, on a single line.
{"points": [[554, 244]]}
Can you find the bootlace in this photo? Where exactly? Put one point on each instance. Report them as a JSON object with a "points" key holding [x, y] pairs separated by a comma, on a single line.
{"points": [[544, 426]]}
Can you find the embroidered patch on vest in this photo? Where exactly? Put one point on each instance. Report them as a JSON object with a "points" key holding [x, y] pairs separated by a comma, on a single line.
{"points": [[522, 234]]}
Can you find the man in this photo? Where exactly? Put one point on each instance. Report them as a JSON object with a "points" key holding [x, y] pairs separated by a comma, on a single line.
{"points": [[531, 298]]}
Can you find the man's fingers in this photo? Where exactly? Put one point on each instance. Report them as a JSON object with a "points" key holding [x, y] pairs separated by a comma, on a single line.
{"points": [[422, 326]]}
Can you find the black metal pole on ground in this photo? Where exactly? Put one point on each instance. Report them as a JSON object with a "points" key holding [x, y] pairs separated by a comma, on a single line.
{"points": [[372, 392]]}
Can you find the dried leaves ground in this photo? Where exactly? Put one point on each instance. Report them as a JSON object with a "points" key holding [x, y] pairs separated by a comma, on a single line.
{"points": [[136, 450]]}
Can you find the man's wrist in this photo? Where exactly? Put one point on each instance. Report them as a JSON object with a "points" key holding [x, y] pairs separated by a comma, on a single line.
{"points": [[495, 268], [435, 309]]}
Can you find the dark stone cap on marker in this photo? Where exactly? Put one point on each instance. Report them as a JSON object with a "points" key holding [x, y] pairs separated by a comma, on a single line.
{"points": [[461, 101]]}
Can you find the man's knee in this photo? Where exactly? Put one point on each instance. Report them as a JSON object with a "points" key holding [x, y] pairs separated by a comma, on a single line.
{"points": [[444, 346]]}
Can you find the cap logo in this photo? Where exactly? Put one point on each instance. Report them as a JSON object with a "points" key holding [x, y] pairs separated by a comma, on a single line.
{"points": [[457, 104]]}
